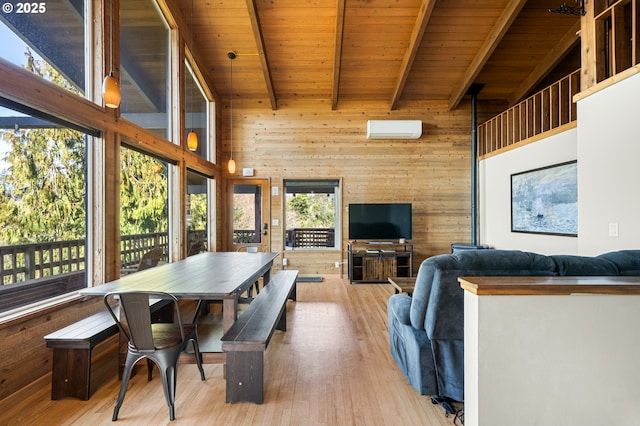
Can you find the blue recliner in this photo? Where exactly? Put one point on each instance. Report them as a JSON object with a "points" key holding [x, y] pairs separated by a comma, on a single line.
{"points": [[426, 331]]}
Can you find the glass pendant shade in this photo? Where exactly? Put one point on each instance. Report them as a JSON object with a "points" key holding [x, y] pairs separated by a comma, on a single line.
{"points": [[231, 166], [111, 91], [192, 141]]}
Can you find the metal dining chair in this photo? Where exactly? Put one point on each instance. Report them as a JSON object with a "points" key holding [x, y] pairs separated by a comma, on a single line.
{"points": [[161, 343]]}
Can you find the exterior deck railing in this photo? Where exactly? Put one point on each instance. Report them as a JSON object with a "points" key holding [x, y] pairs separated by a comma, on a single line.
{"points": [[26, 262], [546, 110], [310, 237]]}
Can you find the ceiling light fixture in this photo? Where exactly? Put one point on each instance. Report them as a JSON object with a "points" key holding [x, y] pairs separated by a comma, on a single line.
{"points": [[192, 137], [565, 9], [110, 86], [231, 166]]}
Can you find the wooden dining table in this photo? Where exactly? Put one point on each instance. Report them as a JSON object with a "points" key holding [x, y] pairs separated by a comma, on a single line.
{"points": [[210, 276]]}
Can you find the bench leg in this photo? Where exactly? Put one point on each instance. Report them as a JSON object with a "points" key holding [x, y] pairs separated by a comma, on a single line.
{"points": [[282, 322], [71, 373], [245, 374]]}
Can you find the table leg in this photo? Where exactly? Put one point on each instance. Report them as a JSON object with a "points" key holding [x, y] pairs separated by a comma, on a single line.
{"points": [[229, 312]]}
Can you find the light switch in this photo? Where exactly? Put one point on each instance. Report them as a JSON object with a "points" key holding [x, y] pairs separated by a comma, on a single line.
{"points": [[274, 190], [275, 222], [613, 229]]}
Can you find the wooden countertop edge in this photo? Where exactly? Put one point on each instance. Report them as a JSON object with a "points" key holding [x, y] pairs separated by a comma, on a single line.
{"points": [[550, 286]]}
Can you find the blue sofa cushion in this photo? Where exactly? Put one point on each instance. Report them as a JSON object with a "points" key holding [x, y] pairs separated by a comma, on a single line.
{"points": [[570, 265], [627, 261]]}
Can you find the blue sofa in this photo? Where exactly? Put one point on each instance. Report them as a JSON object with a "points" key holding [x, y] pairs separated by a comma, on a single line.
{"points": [[426, 331]]}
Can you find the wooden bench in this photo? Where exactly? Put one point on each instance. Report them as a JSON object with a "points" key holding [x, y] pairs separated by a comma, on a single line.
{"points": [[72, 347], [247, 339]]}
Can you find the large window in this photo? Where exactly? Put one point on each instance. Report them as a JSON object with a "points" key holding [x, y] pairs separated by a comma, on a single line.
{"points": [[144, 218], [196, 111], [144, 66], [197, 208], [312, 214], [43, 211], [47, 38]]}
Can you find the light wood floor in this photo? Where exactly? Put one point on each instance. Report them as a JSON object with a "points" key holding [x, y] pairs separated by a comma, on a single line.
{"points": [[331, 367]]}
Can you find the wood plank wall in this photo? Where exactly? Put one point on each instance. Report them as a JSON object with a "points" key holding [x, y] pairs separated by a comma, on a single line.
{"points": [[306, 140]]}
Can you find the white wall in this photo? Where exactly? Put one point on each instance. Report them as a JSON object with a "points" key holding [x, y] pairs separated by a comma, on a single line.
{"points": [[494, 198], [606, 144], [608, 171]]}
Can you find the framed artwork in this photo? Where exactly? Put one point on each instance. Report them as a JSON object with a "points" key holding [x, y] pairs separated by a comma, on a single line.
{"points": [[545, 200]]}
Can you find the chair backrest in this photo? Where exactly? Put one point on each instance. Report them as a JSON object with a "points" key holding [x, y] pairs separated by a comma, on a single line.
{"points": [[151, 258], [135, 310], [249, 249]]}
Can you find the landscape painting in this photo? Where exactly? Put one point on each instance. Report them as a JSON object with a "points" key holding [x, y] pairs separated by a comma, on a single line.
{"points": [[545, 200]]}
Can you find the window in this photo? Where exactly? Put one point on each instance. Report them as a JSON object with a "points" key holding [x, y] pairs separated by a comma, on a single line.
{"points": [[197, 203], [312, 214], [144, 66], [33, 38], [42, 207], [144, 217], [196, 111]]}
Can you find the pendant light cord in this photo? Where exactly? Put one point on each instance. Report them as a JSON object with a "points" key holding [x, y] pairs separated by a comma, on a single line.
{"points": [[231, 111], [192, 55], [110, 36]]}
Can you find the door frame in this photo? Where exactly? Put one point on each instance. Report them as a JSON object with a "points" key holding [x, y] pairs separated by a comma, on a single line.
{"points": [[265, 241]]}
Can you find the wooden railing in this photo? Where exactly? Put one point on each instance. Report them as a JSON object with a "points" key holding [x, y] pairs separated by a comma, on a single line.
{"points": [[548, 109], [244, 236], [25, 262], [310, 237]]}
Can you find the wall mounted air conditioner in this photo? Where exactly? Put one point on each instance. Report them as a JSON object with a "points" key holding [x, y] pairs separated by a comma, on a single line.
{"points": [[394, 129]]}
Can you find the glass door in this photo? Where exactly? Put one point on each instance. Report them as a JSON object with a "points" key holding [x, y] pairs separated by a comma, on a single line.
{"points": [[249, 215]]}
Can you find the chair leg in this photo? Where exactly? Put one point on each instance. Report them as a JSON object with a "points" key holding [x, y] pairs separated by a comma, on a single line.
{"points": [[126, 375], [198, 355]]}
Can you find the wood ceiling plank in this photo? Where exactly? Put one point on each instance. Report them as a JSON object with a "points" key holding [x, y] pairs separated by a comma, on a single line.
{"points": [[499, 30]]}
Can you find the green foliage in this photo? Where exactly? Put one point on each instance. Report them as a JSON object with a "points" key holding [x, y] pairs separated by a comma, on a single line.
{"points": [[143, 194], [311, 211], [43, 186]]}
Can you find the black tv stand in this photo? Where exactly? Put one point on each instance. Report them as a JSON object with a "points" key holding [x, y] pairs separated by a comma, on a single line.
{"points": [[376, 261]]}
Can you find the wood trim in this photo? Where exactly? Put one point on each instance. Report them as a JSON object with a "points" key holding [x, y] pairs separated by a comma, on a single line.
{"points": [[264, 61], [550, 286], [490, 44], [414, 44]]}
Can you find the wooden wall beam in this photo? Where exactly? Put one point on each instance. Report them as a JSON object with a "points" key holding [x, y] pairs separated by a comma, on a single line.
{"points": [[337, 53], [548, 63], [426, 8], [264, 61], [495, 36]]}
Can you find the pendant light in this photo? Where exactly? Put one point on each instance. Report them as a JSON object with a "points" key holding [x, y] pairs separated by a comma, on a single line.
{"points": [[231, 166], [110, 86], [192, 137]]}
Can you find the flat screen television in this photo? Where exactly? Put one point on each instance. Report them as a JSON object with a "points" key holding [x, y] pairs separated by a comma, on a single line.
{"points": [[380, 221]]}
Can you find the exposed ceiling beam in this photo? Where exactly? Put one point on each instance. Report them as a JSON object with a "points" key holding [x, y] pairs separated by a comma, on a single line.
{"points": [[552, 59], [264, 61], [337, 53], [426, 8], [486, 50]]}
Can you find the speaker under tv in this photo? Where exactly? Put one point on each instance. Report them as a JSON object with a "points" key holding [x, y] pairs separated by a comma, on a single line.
{"points": [[380, 221]]}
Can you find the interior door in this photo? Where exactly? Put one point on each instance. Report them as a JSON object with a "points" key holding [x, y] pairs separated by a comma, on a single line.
{"points": [[249, 214]]}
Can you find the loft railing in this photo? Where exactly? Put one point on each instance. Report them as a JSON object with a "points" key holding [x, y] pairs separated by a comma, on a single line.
{"points": [[546, 110], [311, 237]]}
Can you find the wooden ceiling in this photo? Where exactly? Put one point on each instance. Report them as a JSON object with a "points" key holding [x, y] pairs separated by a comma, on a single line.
{"points": [[347, 51]]}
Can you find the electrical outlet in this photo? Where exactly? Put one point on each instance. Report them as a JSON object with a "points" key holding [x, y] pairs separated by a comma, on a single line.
{"points": [[285, 261], [337, 263]]}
